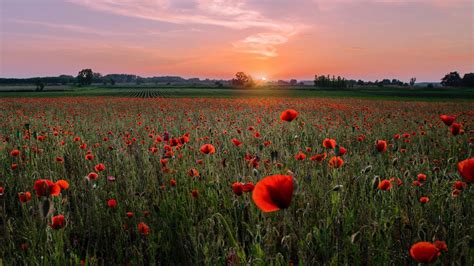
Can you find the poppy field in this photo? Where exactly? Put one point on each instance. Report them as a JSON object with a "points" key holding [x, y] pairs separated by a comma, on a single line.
{"points": [[235, 181]]}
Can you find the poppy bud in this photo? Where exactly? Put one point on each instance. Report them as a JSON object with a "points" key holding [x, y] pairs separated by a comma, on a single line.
{"points": [[112, 203], [238, 188], [58, 222]]}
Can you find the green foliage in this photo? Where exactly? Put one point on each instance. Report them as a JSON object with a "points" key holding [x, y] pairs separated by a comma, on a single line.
{"points": [[468, 80], [243, 80], [452, 79], [39, 85], [337, 216], [327, 82], [84, 77]]}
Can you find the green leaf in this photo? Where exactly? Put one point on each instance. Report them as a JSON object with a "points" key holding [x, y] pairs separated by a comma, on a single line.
{"points": [[336, 150]]}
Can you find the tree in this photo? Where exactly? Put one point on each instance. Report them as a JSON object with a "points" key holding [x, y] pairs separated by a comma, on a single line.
{"points": [[327, 81], [84, 77], [468, 80], [412, 81], [293, 82], [97, 77], [452, 79], [219, 84], [243, 80], [112, 82], [39, 85]]}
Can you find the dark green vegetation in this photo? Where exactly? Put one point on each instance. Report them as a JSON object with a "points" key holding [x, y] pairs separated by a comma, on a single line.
{"points": [[406, 93]]}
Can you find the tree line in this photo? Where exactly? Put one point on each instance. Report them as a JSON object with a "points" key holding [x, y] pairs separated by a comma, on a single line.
{"points": [[452, 79], [86, 77]]}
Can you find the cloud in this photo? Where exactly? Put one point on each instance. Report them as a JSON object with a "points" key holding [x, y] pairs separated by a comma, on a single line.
{"points": [[66, 27], [262, 44], [235, 15], [326, 5]]}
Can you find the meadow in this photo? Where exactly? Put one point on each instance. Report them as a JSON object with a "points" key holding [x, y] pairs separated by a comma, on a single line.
{"points": [[206, 91], [101, 180]]}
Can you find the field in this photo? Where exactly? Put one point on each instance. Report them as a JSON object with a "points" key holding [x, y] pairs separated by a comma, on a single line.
{"points": [[363, 179], [182, 91]]}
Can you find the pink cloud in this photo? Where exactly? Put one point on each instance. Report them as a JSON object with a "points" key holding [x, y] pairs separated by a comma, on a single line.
{"points": [[235, 15]]}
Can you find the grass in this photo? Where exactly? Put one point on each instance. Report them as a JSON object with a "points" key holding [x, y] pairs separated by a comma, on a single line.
{"points": [[337, 216], [393, 93]]}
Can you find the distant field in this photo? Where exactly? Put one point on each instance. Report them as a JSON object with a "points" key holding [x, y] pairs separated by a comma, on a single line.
{"points": [[432, 94], [29, 88]]}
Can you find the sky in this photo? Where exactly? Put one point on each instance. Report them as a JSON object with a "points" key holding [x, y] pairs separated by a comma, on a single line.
{"points": [[275, 39]]}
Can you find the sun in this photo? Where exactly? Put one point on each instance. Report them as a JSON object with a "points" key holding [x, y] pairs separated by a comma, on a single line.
{"points": [[263, 79]]}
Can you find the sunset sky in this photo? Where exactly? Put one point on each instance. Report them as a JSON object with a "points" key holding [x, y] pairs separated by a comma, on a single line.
{"points": [[277, 39]]}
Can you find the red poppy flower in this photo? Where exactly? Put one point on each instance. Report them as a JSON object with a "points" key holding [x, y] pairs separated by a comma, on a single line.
{"points": [[421, 177], [459, 185], [342, 151], [112, 203], [289, 115], [248, 187], [208, 149], [329, 143], [447, 119], [236, 142], [385, 185], [238, 188], [195, 193], [273, 193], [193, 172], [14, 153], [319, 157], [46, 188], [24, 196], [59, 159], [143, 228], [130, 214], [455, 129], [381, 145], [58, 222], [424, 252], [92, 176], [466, 169], [173, 182], [63, 184], [99, 168], [89, 157], [2, 191], [424, 199], [336, 162], [300, 156]]}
